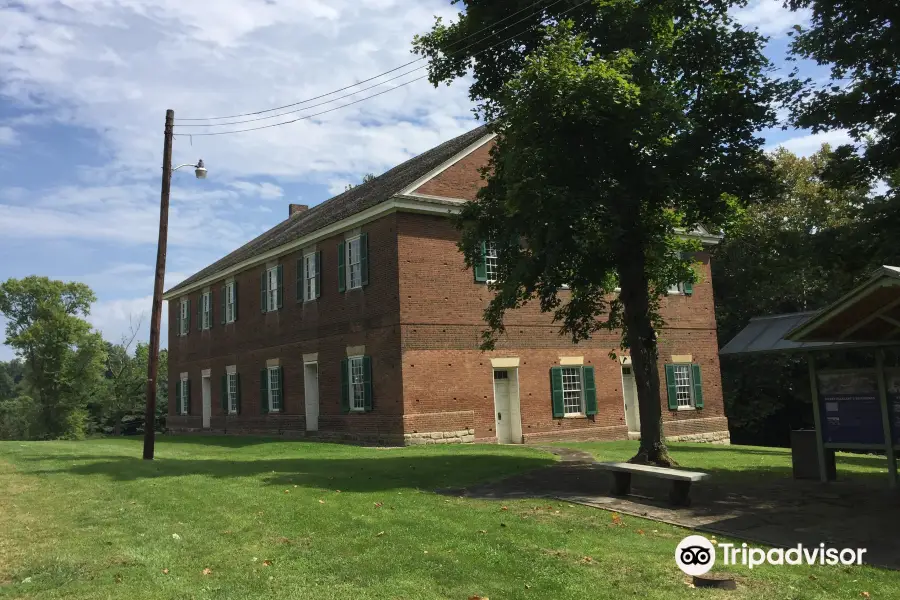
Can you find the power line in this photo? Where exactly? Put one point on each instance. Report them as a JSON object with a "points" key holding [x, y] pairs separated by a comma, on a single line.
{"points": [[355, 101], [395, 69]]}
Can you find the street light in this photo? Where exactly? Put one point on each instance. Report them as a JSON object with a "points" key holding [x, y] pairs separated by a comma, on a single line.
{"points": [[159, 277]]}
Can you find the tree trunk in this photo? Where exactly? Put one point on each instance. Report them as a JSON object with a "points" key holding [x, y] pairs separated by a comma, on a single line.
{"points": [[641, 339]]}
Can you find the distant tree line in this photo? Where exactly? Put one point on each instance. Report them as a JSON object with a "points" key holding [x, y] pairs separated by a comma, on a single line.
{"points": [[66, 381]]}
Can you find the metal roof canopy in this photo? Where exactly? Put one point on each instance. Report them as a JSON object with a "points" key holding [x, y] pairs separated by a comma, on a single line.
{"points": [[866, 317]]}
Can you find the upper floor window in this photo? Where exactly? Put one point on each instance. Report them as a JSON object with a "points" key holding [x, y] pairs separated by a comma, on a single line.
{"points": [[490, 261], [353, 263], [271, 290], [184, 317], [206, 310], [310, 276], [230, 302]]}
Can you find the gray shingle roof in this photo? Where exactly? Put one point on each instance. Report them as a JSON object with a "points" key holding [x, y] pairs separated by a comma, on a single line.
{"points": [[341, 206]]}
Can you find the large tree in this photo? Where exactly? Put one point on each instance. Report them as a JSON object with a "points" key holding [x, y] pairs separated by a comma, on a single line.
{"points": [[858, 40], [62, 355], [622, 124]]}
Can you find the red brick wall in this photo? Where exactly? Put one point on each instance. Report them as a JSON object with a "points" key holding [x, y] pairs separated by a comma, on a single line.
{"points": [[327, 325], [462, 179], [444, 372]]}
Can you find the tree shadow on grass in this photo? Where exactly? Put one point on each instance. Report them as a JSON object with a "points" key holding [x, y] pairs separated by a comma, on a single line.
{"points": [[376, 472]]}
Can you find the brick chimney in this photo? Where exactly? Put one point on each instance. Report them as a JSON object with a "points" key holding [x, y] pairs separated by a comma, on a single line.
{"points": [[293, 209]]}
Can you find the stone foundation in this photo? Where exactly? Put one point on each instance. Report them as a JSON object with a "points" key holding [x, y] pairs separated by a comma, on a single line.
{"points": [[460, 436], [712, 437]]}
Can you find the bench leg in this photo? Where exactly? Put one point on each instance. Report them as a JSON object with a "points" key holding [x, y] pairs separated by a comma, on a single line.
{"points": [[621, 483], [681, 493]]}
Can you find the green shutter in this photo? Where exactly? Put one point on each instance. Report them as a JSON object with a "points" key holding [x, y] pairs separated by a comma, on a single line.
{"points": [[187, 394], [235, 299], [264, 391], [301, 280], [590, 391], [224, 394], [364, 258], [318, 273], [556, 392], [345, 386], [367, 382], [481, 264], [212, 297], [177, 397], [688, 288], [237, 386], [187, 325], [342, 272], [224, 302], [698, 385], [279, 300], [178, 319], [670, 386], [200, 314], [281, 388], [262, 291]]}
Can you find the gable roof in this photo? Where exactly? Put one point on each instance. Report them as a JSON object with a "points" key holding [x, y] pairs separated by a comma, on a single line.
{"points": [[340, 207]]}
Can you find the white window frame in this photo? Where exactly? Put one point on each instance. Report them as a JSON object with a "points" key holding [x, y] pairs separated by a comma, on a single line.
{"points": [[351, 265], [271, 387], [231, 380], [183, 400], [579, 380], [490, 261], [206, 310], [688, 403], [185, 315], [358, 386], [675, 290], [229, 302], [309, 276], [272, 289]]}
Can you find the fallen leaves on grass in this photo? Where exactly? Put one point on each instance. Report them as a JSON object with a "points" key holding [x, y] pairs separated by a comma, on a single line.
{"points": [[640, 532], [267, 563], [379, 504], [587, 560], [865, 594], [504, 508], [165, 571], [175, 536], [479, 598], [321, 502], [379, 534], [207, 571], [287, 491], [482, 531]]}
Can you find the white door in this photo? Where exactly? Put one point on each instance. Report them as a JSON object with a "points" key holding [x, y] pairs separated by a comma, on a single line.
{"points": [[207, 401], [629, 391], [501, 405], [311, 395]]}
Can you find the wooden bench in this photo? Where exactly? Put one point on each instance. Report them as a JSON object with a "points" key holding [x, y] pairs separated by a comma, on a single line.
{"points": [[681, 480]]}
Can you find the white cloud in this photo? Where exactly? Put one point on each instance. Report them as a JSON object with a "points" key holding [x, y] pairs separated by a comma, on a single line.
{"points": [[770, 17], [806, 145], [116, 318], [8, 136], [264, 190]]}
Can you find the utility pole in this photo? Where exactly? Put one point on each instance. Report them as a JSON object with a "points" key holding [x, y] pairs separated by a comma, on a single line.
{"points": [[156, 316]]}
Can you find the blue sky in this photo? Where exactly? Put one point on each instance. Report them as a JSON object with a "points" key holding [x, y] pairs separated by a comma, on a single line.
{"points": [[84, 85]]}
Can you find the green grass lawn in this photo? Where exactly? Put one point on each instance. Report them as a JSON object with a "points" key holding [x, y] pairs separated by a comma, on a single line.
{"points": [[743, 464], [274, 519]]}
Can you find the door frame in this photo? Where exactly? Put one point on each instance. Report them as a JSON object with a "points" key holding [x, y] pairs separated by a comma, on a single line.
{"points": [[206, 399], [306, 394], [515, 407], [626, 363]]}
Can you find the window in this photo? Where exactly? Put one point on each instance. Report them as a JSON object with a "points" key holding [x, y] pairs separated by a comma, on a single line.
{"points": [[274, 389], [572, 404], [354, 264], [573, 391], [685, 388], [206, 310], [490, 261], [272, 289], [678, 288], [357, 383], [683, 394], [309, 277], [184, 396], [230, 302], [184, 321], [232, 381]]}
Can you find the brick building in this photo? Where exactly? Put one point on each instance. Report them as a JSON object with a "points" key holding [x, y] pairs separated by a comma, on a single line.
{"points": [[357, 319]]}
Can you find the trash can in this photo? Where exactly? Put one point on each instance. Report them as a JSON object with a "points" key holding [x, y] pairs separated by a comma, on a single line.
{"points": [[805, 458]]}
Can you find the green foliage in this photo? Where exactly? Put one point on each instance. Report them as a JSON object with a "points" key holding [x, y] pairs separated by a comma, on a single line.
{"points": [[18, 418], [366, 179], [11, 374], [858, 40], [618, 129], [786, 255], [63, 357]]}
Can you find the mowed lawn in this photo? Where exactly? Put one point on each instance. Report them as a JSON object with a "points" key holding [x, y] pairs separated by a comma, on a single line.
{"points": [[254, 518]]}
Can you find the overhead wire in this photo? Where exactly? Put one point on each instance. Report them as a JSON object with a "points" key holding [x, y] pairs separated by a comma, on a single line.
{"points": [[305, 117], [395, 69]]}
